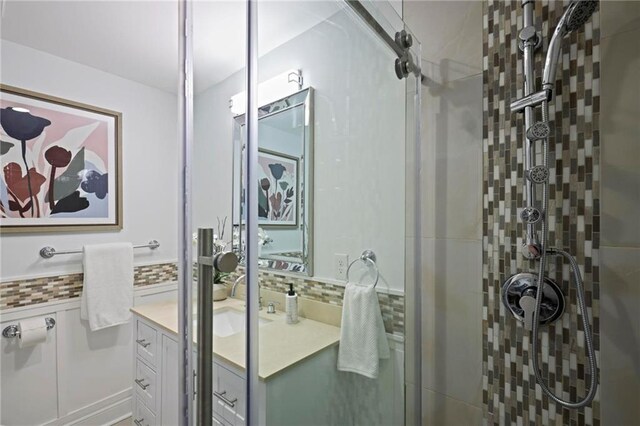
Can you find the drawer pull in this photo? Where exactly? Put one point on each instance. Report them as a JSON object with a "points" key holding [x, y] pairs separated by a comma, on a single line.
{"points": [[140, 382], [221, 396], [143, 343], [138, 422]]}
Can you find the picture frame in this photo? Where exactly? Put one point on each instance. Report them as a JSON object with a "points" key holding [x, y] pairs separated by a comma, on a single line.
{"points": [[61, 164], [278, 189]]}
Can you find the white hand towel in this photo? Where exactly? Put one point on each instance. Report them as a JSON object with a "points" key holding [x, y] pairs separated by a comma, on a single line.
{"points": [[363, 341], [107, 293]]}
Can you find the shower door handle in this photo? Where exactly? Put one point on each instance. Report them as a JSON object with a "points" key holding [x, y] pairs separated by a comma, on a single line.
{"points": [[208, 263]]}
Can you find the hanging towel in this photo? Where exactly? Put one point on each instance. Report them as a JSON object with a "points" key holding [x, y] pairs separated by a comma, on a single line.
{"points": [[363, 341], [107, 293]]}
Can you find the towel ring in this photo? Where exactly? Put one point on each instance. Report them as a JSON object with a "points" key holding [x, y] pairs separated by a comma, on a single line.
{"points": [[367, 256]]}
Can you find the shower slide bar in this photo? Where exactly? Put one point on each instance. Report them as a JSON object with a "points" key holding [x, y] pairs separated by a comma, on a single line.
{"points": [[48, 252]]}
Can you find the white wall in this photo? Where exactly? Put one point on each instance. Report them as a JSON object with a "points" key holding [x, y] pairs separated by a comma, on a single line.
{"points": [[451, 231], [150, 150], [359, 193], [76, 375], [620, 199]]}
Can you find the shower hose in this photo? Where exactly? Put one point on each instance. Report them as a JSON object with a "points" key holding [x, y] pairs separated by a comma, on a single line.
{"points": [[588, 337]]}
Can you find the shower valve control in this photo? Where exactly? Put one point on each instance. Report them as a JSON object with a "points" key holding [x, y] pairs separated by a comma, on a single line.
{"points": [[528, 305], [519, 297]]}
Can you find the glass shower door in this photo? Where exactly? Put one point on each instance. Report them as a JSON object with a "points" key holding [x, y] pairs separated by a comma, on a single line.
{"points": [[302, 166], [335, 218]]}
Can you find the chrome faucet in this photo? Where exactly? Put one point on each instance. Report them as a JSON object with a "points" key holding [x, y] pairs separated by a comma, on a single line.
{"points": [[235, 284], [238, 281]]}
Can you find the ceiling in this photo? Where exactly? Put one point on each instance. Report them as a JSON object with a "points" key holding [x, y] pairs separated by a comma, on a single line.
{"points": [[137, 40]]}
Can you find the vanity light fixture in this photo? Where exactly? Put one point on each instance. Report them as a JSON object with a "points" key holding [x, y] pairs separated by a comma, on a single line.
{"points": [[278, 87]]}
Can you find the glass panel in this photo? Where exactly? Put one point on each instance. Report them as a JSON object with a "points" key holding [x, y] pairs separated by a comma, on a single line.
{"points": [[335, 130], [341, 361], [219, 321]]}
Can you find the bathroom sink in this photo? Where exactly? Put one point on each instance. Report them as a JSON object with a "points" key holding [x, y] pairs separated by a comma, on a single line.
{"points": [[228, 321]]}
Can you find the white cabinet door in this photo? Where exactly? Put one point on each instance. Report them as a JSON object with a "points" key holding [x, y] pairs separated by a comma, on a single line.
{"points": [[231, 389], [146, 342], [170, 405], [142, 416]]}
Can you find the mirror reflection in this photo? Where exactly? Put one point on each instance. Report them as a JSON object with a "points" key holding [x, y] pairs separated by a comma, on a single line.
{"points": [[285, 192]]}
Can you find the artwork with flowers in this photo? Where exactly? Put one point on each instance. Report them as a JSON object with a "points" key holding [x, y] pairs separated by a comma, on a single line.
{"points": [[278, 189], [60, 164]]}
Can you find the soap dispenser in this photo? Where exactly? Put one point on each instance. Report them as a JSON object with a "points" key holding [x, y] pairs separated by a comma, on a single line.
{"points": [[291, 306]]}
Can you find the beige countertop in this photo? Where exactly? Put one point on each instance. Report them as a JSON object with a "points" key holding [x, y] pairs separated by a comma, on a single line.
{"points": [[281, 345]]}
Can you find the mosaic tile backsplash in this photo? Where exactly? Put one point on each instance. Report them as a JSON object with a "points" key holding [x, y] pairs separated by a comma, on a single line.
{"points": [[391, 305], [509, 389], [14, 294]]}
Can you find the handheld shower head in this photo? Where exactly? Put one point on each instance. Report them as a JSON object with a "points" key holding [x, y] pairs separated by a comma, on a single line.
{"points": [[576, 15], [579, 14]]}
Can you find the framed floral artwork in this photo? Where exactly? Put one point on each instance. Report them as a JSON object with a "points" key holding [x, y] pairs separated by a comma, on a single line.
{"points": [[61, 164], [278, 190]]}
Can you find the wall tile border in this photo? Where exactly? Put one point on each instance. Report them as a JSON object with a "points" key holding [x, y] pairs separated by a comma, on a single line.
{"points": [[19, 293], [391, 305]]}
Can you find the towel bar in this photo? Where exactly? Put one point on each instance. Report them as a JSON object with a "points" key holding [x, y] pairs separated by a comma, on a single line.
{"points": [[48, 252]]}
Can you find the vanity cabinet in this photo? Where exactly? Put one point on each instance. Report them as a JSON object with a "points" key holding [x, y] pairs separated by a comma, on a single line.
{"points": [[147, 377], [285, 394], [156, 383]]}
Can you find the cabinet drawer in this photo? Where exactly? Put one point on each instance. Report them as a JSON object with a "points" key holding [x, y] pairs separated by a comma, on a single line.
{"points": [[146, 385], [142, 415], [146, 343], [228, 396]]}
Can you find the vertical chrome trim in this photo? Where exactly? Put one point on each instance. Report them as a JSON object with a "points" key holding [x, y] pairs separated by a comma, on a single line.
{"points": [[252, 290], [185, 137], [417, 267], [205, 328]]}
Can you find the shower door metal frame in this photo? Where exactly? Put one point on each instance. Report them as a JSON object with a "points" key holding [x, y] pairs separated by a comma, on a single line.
{"points": [[185, 262], [252, 295]]}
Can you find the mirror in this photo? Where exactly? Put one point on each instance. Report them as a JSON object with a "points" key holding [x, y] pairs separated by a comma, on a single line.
{"points": [[285, 191]]}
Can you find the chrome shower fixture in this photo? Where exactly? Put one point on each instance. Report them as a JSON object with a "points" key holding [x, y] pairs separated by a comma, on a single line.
{"points": [[537, 174], [539, 130], [535, 299], [530, 215], [576, 15]]}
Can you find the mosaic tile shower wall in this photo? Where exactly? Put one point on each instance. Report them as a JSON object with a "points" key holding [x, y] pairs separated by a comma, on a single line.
{"points": [[509, 390]]}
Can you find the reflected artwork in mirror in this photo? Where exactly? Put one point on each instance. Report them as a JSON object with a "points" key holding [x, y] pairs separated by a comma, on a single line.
{"points": [[285, 187]]}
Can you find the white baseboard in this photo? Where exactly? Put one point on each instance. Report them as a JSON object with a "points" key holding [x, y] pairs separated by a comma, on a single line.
{"points": [[104, 412]]}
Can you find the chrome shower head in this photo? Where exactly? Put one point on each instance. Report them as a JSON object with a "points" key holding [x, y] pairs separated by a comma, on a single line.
{"points": [[537, 174], [576, 15], [538, 130], [579, 14]]}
